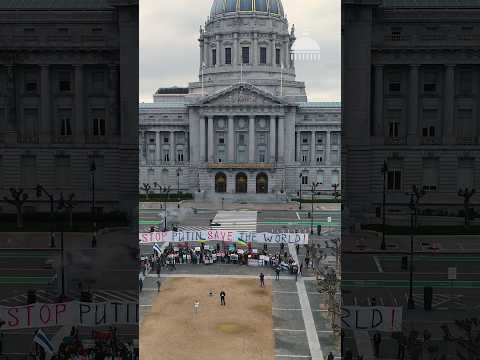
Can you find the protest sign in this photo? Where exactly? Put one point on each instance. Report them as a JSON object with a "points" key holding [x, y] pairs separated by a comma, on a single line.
{"points": [[223, 235], [379, 318], [74, 313]]}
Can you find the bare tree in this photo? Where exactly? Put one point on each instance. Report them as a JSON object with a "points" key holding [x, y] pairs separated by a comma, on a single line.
{"points": [[147, 189], [467, 195], [19, 197], [468, 341]]}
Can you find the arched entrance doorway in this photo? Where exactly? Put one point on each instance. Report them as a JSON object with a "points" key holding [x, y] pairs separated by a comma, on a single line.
{"points": [[220, 183], [262, 183], [241, 182]]}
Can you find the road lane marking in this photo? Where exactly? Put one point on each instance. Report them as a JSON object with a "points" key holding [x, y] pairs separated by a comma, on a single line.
{"points": [[289, 330], [298, 216], [377, 263], [282, 309]]}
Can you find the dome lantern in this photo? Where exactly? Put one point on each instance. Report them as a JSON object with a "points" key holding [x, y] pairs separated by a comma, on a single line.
{"points": [[271, 7]]}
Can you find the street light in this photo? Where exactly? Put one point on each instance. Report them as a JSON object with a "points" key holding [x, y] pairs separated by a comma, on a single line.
{"points": [[167, 191], [415, 197], [300, 193], [384, 171], [178, 187], [68, 205], [466, 194], [40, 189], [314, 189], [93, 169]]}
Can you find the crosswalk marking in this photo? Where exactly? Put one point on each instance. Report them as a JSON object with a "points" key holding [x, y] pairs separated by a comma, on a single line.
{"points": [[193, 228], [236, 220]]}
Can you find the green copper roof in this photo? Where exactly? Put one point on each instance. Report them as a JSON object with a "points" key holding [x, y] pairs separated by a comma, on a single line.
{"points": [[432, 3], [54, 4]]}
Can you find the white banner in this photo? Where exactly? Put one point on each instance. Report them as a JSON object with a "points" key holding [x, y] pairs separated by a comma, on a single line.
{"points": [[74, 313], [380, 318], [223, 235]]}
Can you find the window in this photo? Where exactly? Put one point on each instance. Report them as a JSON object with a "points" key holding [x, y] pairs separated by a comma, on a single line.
{"points": [[30, 122], [319, 159], [465, 173], [305, 156], [304, 140], [277, 56], [320, 177], [166, 155], [98, 127], [241, 139], [335, 177], [64, 81], [394, 82], [180, 156], [214, 57], [465, 123], [228, 56], [394, 180], [245, 55], [430, 82], [166, 140], [62, 172], [263, 55], [28, 176], [30, 82], [65, 123], [221, 140], [465, 82], [98, 80], [430, 178], [261, 138], [305, 180], [393, 129], [261, 156], [319, 140]]}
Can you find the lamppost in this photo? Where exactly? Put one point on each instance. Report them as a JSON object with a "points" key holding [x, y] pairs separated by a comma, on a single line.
{"points": [[314, 189], [167, 191], [384, 171], [178, 187], [93, 169], [466, 194], [68, 205], [40, 189], [300, 193], [415, 197]]}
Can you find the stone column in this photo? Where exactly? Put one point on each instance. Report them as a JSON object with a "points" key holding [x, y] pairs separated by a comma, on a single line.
{"points": [[202, 49], [313, 148], [287, 54], [251, 139], [289, 142], [328, 148], [210, 140], [449, 105], [231, 139], [273, 51], [298, 147], [46, 121], [235, 51], [413, 105], [255, 49], [80, 121], [281, 138], [379, 118], [273, 132], [218, 50], [202, 138], [158, 152], [172, 147]]}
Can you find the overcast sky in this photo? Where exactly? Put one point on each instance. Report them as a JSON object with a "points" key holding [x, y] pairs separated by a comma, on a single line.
{"points": [[169, 52]]}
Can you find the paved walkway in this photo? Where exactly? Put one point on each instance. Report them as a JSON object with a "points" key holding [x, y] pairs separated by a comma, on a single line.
{"points": [[310, 328]]}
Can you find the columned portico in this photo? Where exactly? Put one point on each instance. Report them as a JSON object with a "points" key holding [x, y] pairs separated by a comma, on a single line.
{"points": [[273, 133], [231, 139], [210, 139], [251, 139]]}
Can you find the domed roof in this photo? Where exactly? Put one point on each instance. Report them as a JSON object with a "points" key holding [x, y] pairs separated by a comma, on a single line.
{"points": [[273, 7]]}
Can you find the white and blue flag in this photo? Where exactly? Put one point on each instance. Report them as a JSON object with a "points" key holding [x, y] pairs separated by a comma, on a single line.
{"points": [[41, 339], [157, 248]]}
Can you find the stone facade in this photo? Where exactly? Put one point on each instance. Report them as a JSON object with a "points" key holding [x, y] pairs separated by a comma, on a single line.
{"points": [[245, 130], [411, 94], [63, 74]]}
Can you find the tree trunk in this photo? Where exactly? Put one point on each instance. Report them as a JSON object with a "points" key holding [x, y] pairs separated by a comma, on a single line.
{"points": [[19, 217]]}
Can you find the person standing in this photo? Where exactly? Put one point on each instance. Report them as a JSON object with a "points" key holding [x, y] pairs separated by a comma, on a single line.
{"points": [[222, 298], [277, 273], [307, 260], [377, 340], [159, 284], [196, 305], [301, 268], [330, 356], [262, 280]]}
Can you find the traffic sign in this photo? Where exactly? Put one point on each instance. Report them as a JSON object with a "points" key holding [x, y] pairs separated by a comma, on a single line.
{"points": [[329, 219], [452, 273]]}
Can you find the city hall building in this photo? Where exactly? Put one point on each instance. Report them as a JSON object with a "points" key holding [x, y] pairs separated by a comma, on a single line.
{"points": [[245, 130], [411, 73]]}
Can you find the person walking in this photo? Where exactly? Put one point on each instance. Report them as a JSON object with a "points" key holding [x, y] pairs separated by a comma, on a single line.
{"points": [[402, 343], [222, 298], [196, 305], [307, 261], [277, 273], [330, 356], [377, 340], [373, 301], [158, 285], [262, 280], [297, 247], [301, 269], [296, 270], [158, 271]]}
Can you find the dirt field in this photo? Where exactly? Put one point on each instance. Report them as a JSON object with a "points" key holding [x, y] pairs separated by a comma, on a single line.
{"points": [[240, 330]]}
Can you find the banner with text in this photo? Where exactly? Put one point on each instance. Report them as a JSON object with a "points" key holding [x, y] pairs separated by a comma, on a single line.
{"points": [[225, 236], [74, 313], [380, 318]]}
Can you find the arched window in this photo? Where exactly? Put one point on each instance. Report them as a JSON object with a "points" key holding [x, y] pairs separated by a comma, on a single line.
{"points": [[262, 183], [241, 183], [220, 183]]}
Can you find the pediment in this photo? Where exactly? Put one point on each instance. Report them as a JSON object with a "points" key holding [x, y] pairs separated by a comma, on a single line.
{"points": [[242, 94]]}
